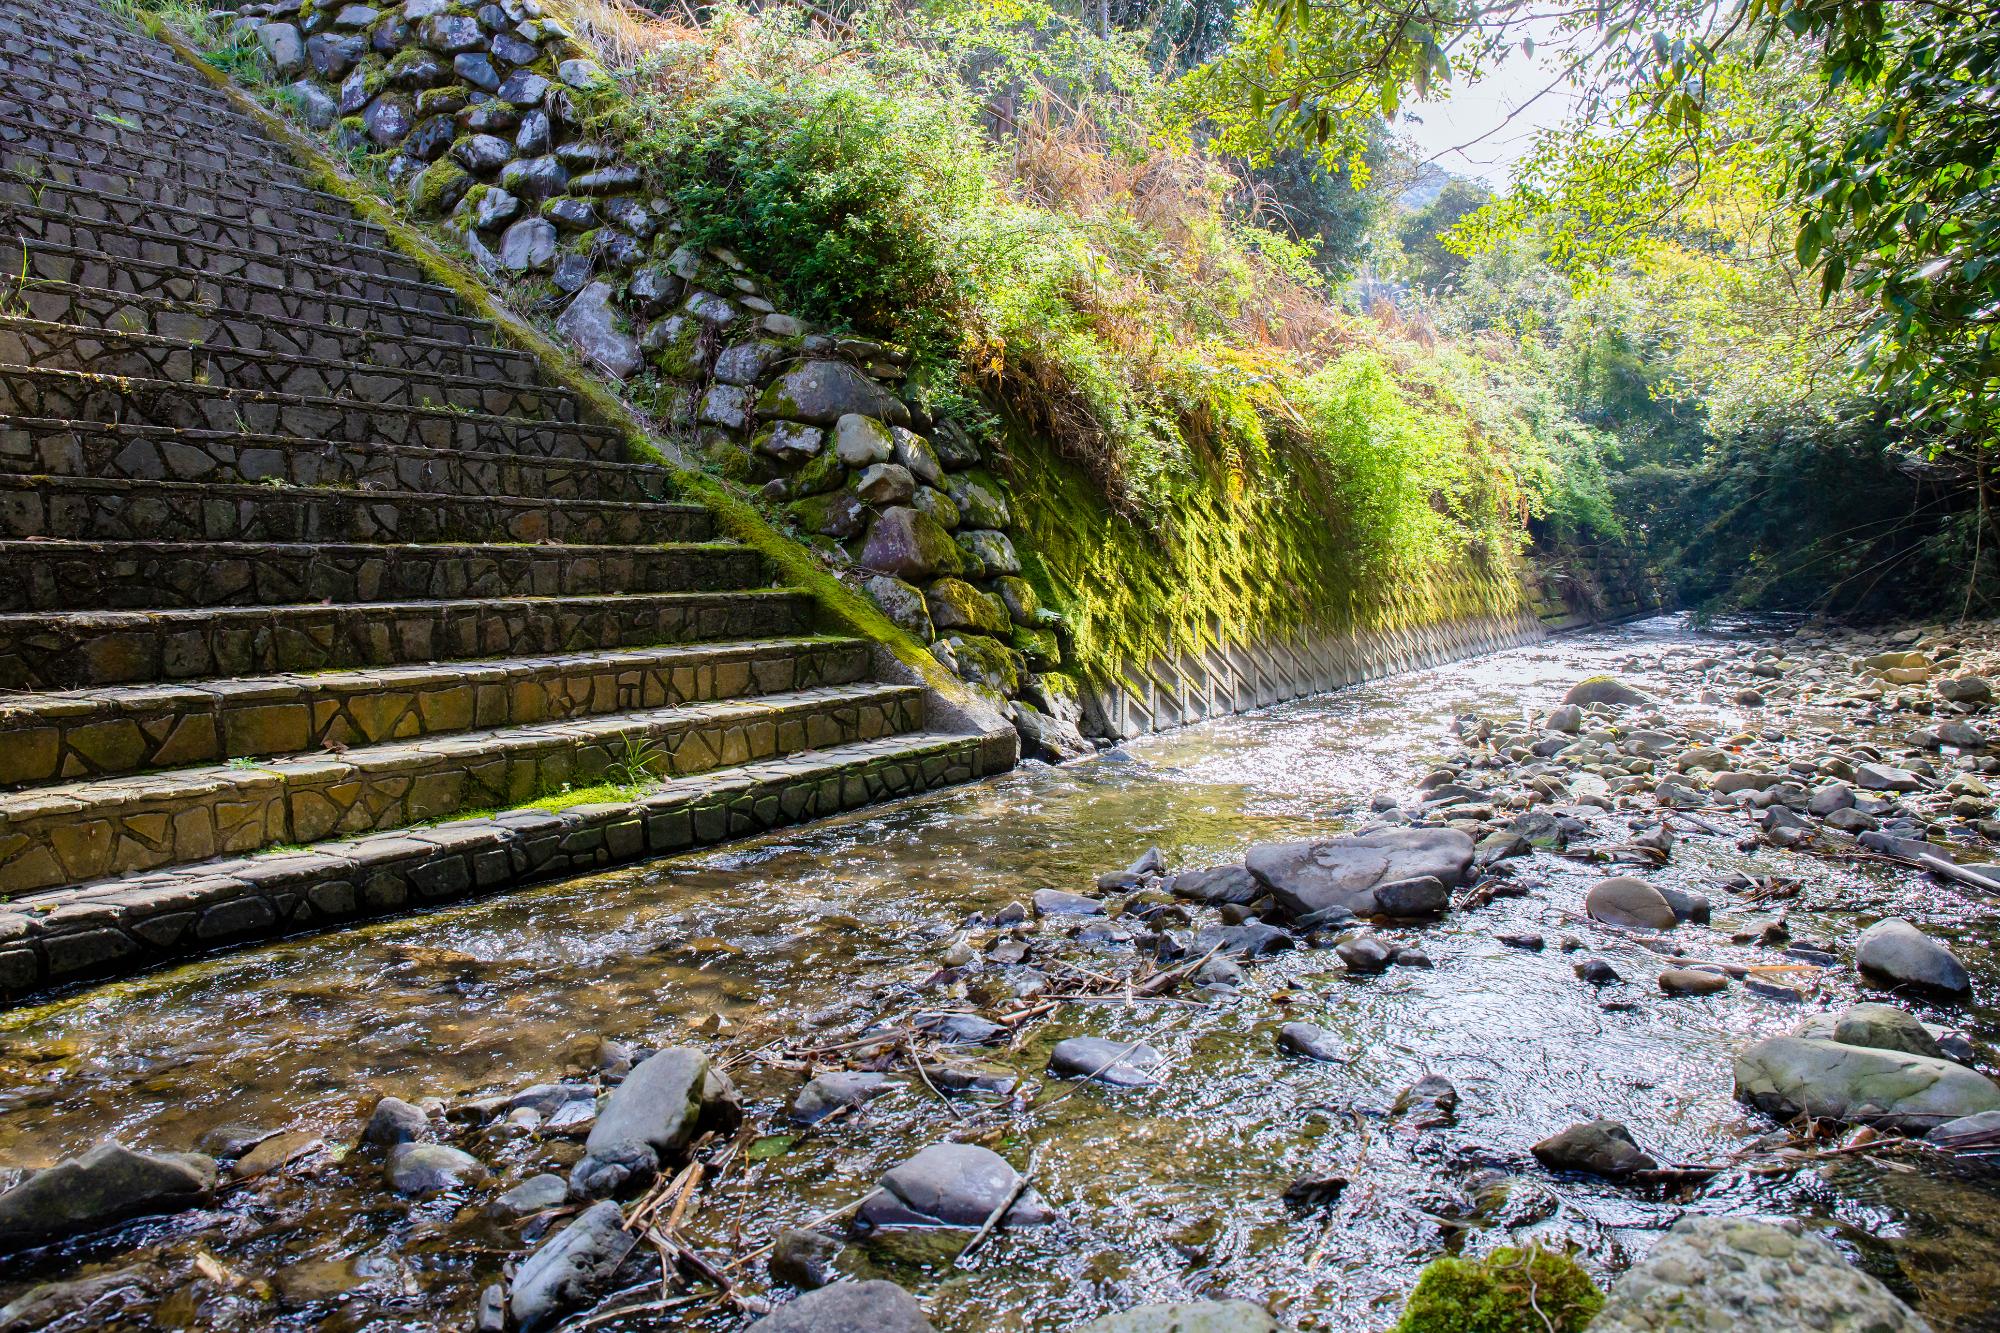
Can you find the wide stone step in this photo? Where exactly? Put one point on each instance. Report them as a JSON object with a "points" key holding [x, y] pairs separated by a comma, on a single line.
{"points": [[34, 153], [119, 925], [334, 268], [104, 509], [457, 353], [64, 650], [70, 395], [64, 576], [87, 734], [141, 451], [62, 266], [76, 832], [124, 354], [207, 124], [92, 52]]}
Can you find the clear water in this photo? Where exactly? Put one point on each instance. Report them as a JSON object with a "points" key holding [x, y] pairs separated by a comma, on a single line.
{"points": [[1165, 1193]]}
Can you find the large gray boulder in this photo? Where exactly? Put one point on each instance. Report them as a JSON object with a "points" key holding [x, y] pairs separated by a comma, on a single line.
{"points": [[1122, 1064], [951, 1185], [1896, 953], [1793, 1076], [822, 392], [1307, 877], [107, 1184], [1749, 1277], [653, 1115], [1629, 903], [1187, 1317], [1216, 885], [572, 1268], [841, 1088], [593, 323], [849, 1307], [432, 1168]]}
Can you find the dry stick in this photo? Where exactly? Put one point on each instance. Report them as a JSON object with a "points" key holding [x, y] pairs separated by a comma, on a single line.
{"points": [[918, 1061], [993, 1218], [624, 1312], [1937, 865]]}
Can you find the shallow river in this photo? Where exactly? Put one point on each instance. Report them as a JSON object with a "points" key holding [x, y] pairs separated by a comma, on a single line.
{"points": [[1166, 1192]]}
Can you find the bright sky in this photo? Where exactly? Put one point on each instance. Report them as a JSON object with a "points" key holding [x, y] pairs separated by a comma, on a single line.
{"points": [[1448, 129]]}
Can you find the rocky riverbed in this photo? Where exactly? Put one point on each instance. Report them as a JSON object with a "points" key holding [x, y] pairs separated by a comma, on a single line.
{"points": [[1569, 945]]}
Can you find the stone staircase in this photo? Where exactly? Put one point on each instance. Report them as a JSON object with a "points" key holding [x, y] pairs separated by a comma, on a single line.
{"points": [[305, 573]]}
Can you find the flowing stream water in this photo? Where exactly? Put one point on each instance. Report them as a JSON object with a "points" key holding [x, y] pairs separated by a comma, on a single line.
{"points": [[1167, 1192]]}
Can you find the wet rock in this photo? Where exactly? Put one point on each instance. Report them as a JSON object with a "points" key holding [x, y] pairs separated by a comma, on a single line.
{"points": [[1884, 1027], [1186, 1317], [829, 1092], [1219, 970], [1426, 895], [572, 1268], [1059, 902], [805, 1259], [1965, 690], [92, 1302], [1248, 939], [1686, 904], [963, 1029], [1749, 1277], [424, 1169], [274, 1152], [1217, 885], [653, 1115], [1791, 1076], [1629, 903], [1896, 953], [1119, 1063], [967, 1076], [1689, 981], [1509, 1200], [1306, 877], [1365, 954], [106, 1184], [952, 1185], [1567, 719], [1432, 1100], [395, 1121], [1531, 942], [536, 1194], [1600, 1147], [1886, 777], [849, 1307], [1310, 1040], [1972, 1133], [1607, 690]]}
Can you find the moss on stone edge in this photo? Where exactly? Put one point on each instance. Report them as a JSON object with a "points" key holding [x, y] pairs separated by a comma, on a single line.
{"points": [[1236, 561], [1512, 1290], [839, 605]]}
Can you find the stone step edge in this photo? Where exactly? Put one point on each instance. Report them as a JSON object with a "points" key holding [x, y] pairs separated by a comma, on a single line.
{"points": [[131, 384], [112, 618], [231, 127], [393, 259], [312, 444], [44, 185], [277, 778], [122, 926], [63, 713], [239, 282], [211, 177], [210, 310], [263, 492], [444, 380]]}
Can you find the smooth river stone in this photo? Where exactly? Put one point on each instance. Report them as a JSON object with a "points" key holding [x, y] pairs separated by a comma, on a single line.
{"points": [[1629, 903]]}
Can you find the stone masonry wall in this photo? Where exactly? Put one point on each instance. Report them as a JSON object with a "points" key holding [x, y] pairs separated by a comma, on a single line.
{"points": [[471, 111]]}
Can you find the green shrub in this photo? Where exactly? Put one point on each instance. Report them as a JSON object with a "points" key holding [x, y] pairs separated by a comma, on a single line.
{"points": [[1512, 1290]]}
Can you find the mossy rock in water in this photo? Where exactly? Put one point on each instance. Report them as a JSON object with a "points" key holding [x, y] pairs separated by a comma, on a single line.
{"points": [[1512, 1290]]}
